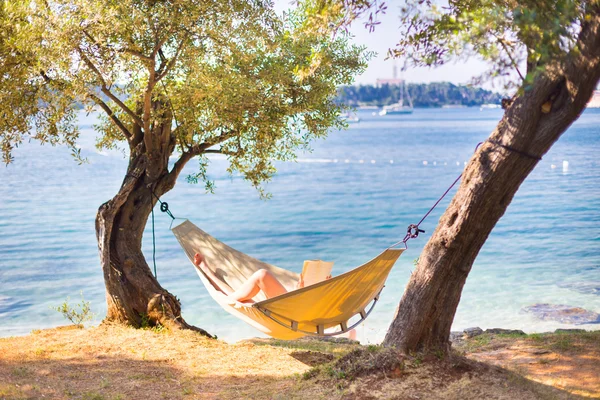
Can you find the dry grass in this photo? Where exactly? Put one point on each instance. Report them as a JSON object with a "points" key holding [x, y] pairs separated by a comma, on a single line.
{"points": [[115, 362], [568, 361]]}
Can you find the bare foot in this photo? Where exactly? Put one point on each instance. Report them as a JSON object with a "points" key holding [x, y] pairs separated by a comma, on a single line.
{"points": [[352, 334]]}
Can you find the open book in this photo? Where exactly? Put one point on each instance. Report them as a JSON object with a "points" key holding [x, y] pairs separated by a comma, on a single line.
{"points": [[315, 271]]}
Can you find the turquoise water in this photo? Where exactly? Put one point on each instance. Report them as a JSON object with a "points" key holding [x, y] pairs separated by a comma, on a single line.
{"points": [[328, 205]]}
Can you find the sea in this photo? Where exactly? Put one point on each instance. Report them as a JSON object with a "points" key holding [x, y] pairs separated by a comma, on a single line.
{"points": [[346, 200]]}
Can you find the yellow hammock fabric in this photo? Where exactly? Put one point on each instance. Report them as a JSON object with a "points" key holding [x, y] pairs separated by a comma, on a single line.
{"points": [[307, 311]]}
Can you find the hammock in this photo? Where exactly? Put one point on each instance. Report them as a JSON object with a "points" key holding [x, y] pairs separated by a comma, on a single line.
{"points": [[300, 312]]}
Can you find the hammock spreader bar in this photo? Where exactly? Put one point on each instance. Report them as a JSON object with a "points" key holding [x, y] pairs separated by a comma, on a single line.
{"points": [[319, 329]]}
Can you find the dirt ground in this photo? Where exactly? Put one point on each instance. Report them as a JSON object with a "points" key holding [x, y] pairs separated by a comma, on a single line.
{"points": [[115, 362]]}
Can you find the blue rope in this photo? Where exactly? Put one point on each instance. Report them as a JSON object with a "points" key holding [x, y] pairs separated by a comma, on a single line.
{"points": [[164, 207]]}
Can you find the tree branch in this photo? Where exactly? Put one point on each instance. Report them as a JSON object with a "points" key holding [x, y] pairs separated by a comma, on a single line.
{"points": [[122, 105], [501, 41], [102, 104], [170, 179], [112, 116], [105, 89], [111, 48], [159, 45], [171, 63]]}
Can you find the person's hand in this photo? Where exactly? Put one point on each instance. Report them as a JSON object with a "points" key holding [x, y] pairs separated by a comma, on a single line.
{"points": [[328, 277], [300, 283], [198, 258]]}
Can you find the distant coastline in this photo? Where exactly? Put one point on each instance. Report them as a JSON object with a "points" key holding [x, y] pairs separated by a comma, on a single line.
{"points": [[430, 95]]}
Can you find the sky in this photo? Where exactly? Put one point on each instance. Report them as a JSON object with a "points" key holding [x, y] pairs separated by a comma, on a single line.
{"points": [[385, 36]]}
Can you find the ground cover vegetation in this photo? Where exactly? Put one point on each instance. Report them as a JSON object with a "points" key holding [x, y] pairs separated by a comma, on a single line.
{"points": [[113, 362]]}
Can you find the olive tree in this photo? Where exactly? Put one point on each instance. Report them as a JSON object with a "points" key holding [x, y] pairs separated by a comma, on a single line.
{"points": [[553, 50], [172, 78]]}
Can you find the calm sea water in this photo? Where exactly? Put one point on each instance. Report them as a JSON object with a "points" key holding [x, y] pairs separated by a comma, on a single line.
{"points": [[346, 201]]}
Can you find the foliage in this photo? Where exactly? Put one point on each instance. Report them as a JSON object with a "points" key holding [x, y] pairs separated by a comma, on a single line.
{"points": [[512, 36], [77, 314], [423, 95], [176, 76]]}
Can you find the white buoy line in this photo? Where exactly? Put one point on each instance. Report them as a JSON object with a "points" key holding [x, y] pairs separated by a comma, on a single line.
{"points": [[565, 163], [366, 161]]}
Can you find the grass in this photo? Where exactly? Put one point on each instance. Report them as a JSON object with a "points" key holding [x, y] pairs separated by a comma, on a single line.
{"points": [[567, 360], [338, 348], [560, 342], [92, 396], [115, 362], [21, 372]]}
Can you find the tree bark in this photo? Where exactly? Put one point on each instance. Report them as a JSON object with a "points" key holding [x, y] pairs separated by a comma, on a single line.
{"points": [[529, 127], [133, 294]]}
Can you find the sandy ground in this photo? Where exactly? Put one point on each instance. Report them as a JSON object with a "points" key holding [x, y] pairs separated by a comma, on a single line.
{"points": [[115, 362]]}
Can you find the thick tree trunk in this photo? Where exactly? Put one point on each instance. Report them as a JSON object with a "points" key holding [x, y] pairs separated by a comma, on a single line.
{"points": [[132, 293], [528, 129]]}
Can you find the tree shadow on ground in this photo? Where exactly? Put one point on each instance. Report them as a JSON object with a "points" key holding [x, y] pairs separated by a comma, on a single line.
{"points": [[457, 378], [107, 377]]}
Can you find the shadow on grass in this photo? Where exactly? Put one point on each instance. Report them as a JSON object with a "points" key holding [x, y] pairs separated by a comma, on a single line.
{"points": [[103, 377]]}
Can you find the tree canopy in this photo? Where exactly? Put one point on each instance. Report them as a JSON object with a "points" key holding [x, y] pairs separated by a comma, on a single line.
{"points": [[231, 72], [516, 38]]}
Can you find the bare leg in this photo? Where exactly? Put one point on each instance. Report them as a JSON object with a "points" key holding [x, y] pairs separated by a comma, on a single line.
{"points": [[260, 280]]}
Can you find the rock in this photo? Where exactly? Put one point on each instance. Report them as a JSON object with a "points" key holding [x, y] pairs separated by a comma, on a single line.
{"points": [[456, 337], [500, 331], [472, 332], [563, 314], [570, 331]]}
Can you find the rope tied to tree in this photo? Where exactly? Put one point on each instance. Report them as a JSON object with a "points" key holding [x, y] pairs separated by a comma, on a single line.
{"points": [[164, 207], [509, 148], [413, 229]]}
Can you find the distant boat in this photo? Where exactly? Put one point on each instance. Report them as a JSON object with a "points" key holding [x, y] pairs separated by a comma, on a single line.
{"points": [[489, 106], [454, 106], [395, 109], [595, 100], [399, 107]]}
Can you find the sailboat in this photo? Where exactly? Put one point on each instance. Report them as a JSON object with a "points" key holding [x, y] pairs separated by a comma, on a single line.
{"points": [[400, 107]]}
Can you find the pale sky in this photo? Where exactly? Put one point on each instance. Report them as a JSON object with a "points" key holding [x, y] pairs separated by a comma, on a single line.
{"points": [[385, 36]]}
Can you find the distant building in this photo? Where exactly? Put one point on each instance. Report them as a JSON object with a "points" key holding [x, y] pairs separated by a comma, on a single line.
{"points": [[389, 81], [395, 81]]}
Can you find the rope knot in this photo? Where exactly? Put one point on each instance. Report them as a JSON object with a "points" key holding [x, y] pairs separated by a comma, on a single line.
{"points": [[413, 231], [164, 206]]}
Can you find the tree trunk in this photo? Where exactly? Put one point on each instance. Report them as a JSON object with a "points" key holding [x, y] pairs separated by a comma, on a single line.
{"points": [[133, 295], [530, 126]]}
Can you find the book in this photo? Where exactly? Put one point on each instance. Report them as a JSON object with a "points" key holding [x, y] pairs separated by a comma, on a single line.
{"points": [[315, 271]]}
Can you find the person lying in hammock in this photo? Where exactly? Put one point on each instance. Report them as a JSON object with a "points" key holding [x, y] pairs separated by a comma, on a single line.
{"points": [[260, 280]]}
